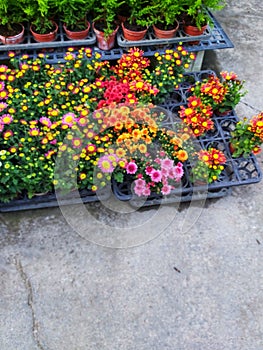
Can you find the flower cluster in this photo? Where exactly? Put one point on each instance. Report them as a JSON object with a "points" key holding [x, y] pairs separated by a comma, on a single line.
{"points": [[209, 165], [222, 94], [168, 71], [42, 105], [139, 148], [247, 136], [197, 115]]}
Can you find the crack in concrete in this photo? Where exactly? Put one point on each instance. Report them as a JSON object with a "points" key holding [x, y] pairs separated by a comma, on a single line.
{"points": [[30, 301], [250, 106]]}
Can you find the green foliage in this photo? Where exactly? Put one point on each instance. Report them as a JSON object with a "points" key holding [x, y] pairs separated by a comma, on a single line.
{"points": [[197, 10], [105, 11], [166, 11], [142, 12], [38, 13], [73, 12], [11, 11]]}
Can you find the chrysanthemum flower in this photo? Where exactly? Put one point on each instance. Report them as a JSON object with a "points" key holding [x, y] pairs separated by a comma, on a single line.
{"points": [[105, 164], [166, 189], [69, 119], [6, 119], [131, 168], [34, 132], [156, 175], [3, 106], [45, 121]]}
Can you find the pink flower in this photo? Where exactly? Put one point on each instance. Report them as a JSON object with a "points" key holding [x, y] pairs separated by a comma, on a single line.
{"points": [[167, 163], [45, 121], [147, 191], [1, 127], [2, 85], [166, 189], [131, 168], [3, 106], [105, 164], [140, 183], [156, 175], [177, 172], [6, 119], [139, 191], [69, 119]]}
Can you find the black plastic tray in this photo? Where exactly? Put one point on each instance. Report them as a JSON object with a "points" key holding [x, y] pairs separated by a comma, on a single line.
{"points": [[50, 200], [237, 172]]}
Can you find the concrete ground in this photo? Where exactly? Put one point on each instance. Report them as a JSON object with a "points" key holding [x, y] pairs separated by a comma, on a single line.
{"points": [[187, 278]]}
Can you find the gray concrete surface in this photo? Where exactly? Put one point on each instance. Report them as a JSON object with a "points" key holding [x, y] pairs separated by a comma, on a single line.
{"points": [[192, 281]]}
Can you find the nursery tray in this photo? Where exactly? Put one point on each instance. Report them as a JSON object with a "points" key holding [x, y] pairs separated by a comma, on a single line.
{"points": [[151, 40], [213, 39], [29, 42], [50, 200]]}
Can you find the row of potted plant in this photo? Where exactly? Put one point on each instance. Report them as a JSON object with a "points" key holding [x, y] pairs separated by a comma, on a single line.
{"points": [[106, 15], [80, 123]]}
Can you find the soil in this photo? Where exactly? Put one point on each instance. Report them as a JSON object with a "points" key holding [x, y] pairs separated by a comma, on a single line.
{"points": [[14, 30], [164, 26]]}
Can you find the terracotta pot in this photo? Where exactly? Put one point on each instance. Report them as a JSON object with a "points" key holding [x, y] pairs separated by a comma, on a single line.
{"points": [[105, 43], [15, 39], [43, 38], [77, 35], [165, 34], [133, 35], [194, 31]]}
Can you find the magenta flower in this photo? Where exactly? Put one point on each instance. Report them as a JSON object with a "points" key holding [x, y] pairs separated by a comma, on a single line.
{"points": [[156, 175], [148, 170], [131, 168]]}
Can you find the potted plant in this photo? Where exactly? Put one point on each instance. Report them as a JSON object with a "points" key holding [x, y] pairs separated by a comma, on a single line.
{"points": [[43, 28], [165, 14], [104, 23], [222, 94], [247, 136], [136, 26], [208, 167], [196, 16], [11, 18], [73, 14]]}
